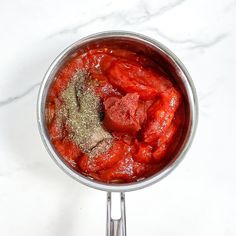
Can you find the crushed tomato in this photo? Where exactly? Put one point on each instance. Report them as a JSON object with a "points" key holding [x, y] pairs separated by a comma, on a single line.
{"points": [[141, 105]]}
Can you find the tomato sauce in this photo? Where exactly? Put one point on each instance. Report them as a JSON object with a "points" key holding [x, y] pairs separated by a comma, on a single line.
{"points": [[142, 115]]}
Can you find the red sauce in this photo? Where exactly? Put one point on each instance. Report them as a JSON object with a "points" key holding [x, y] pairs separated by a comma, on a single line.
{"points": [[143, 111]]}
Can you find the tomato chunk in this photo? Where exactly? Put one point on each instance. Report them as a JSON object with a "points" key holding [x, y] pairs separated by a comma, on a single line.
{"points": [[68, 150], [144, 153], [122, 171], [104, 160], [125, 114], [161, 114], [163, 143], [130, 78]]}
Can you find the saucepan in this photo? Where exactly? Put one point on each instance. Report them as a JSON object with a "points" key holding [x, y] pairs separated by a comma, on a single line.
{"points": [[157, 52]]}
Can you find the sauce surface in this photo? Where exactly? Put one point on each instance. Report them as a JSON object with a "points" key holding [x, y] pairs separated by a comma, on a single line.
{"points": [[114, 115]]}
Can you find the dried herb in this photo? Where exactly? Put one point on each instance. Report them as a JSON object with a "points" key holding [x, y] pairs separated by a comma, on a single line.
{"points": [[81, 112]]}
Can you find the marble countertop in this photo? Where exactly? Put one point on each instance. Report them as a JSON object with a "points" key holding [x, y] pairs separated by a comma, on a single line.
{"points": [[198, 198]]}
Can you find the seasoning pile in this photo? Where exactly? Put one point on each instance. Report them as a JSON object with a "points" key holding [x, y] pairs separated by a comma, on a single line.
{"points": [[81, 114]]}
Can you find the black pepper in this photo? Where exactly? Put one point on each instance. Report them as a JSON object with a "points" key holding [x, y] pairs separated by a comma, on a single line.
{"points": [[81, 112]]}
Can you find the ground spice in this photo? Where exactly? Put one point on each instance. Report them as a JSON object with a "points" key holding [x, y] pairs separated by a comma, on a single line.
{"points": [[81, 109]]}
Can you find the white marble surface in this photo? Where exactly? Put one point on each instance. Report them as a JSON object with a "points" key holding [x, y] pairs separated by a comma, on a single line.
{"points": [[198, 198]]}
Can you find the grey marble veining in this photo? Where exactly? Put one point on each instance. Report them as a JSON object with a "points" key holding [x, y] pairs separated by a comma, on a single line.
{"points": [[18, 96]]}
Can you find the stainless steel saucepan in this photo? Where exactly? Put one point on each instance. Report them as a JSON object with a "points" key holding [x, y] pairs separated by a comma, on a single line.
{"points": [[157, 52]]}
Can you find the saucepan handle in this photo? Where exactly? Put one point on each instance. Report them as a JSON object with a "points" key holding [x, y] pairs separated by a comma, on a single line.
{"points": [[116, 227]]}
